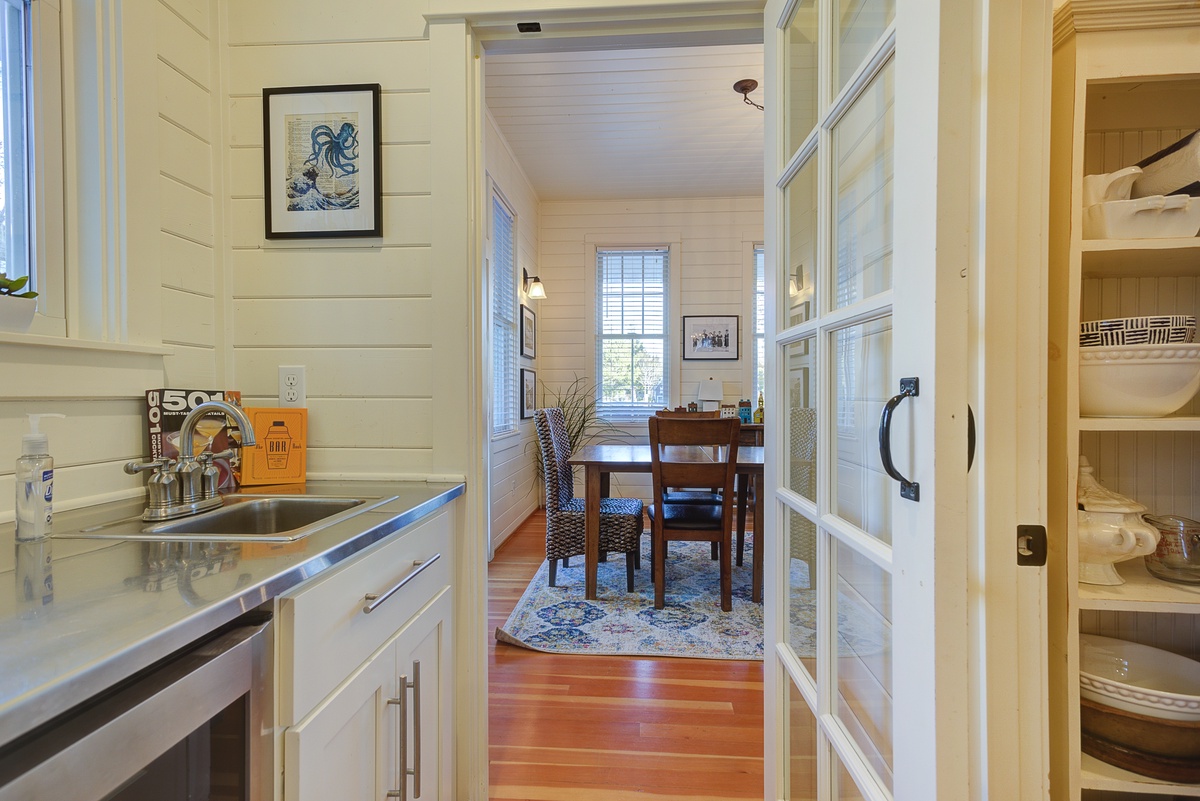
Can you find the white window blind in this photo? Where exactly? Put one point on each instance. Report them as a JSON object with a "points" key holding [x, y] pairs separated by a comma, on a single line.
{"points": [[14, 155], [758, 363], [631, 341], [504, 321]]}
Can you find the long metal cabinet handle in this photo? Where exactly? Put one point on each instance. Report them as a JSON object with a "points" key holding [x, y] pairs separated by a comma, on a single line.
{"points": [[375, 600], [415, 770], [402, 740], [909, 388]]}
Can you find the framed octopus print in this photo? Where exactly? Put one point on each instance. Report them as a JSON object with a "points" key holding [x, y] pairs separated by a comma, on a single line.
{"points": [[322, 175]]}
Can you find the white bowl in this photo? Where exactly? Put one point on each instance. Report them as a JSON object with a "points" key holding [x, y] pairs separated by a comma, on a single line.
{"points": [[1151, 217], [1110, 186], [1138, 678], [1137, 380], [1154, 329]]}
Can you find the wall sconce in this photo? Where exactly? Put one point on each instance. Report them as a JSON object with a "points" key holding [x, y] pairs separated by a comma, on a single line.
{"points": [[711, 391], [796, 281], [532, 286]]}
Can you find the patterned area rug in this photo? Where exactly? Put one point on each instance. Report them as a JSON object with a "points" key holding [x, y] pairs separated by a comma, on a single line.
{"points": [[559, 620]]}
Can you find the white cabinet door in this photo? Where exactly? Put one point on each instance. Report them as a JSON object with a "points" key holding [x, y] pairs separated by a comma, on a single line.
{"points": [[343, 748], [423, 660]]}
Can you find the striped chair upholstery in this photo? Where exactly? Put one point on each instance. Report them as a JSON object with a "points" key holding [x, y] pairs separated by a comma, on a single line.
{"points": [[620, 518]]}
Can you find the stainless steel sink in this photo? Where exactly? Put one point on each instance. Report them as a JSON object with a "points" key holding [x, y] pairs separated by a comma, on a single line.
{"points": [[243, 518]]}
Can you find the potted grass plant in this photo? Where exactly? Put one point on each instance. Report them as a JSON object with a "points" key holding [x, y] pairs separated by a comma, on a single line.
{"points": [[17, 305]]}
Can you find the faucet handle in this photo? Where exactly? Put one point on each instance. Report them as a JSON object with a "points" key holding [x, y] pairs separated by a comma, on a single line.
{"points": [[133, 468]]}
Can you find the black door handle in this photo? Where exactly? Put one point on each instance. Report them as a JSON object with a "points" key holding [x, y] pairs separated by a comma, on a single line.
{"points": [[970, 437], [909, 388]]}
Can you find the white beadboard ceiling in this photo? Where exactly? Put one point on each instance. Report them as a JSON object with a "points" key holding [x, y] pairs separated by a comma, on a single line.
{"points": [[614, 124]]}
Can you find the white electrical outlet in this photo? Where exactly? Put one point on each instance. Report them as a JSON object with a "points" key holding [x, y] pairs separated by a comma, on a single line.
{"points": [[291, 385]]}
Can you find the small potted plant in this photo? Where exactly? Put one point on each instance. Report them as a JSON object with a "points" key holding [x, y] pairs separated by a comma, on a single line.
{"points": [[16, 307]]}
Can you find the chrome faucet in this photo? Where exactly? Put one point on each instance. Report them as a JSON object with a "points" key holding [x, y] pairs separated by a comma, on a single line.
{"points": [[188, 485]]}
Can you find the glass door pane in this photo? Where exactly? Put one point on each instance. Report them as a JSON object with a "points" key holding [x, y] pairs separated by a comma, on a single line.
{"points": [[861, 378], [802, 748], [864, 660], [863, 150], [860, 23], [802, 66], [798, 285]]}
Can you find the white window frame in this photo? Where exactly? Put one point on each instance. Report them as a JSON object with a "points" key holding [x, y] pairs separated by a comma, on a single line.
{"points": [[505, 374], [47, 226], [756, 310], [634, 418]]}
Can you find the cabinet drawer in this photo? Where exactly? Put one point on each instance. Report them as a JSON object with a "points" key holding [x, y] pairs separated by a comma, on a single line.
{"points": [[324, 635]]}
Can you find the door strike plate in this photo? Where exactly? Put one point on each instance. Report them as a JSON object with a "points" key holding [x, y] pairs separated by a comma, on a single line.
{"points": [[1031, 546]]}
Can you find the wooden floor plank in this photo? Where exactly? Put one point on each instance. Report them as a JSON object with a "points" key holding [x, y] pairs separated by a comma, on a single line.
{"points": [[606, 728]]}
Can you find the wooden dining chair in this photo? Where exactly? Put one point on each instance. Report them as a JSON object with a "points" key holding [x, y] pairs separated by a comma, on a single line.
{"points": [[566, 515], [693, 453]]}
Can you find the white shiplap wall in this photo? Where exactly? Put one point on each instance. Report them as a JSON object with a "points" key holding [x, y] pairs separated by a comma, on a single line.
{"points": [[1156, 468], [358, 314], [713, 273], [512, 479], [100, 387]]}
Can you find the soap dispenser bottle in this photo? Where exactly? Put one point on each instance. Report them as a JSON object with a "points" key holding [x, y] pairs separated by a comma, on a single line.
{"points": [[35, 483]]}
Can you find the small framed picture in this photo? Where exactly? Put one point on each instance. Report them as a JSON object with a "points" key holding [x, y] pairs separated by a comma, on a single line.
{"points": [[711, 338], [528, 393], [322, 175], [528, 332]]}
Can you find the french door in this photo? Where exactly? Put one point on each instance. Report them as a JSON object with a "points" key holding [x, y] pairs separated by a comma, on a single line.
{"points": [[869, 372]]}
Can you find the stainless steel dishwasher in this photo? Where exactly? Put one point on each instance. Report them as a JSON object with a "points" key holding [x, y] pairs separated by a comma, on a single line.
{"points": [[196, 726]]}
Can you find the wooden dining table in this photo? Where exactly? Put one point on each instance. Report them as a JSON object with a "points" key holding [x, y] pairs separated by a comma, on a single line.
{"points": [[601, 461]]}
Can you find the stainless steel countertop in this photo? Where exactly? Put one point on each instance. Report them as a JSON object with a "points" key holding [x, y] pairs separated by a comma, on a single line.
{"points": [[112, 615]]}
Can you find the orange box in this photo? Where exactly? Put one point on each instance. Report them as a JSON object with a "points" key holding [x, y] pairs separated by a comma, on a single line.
{"points": [[280, 453]]}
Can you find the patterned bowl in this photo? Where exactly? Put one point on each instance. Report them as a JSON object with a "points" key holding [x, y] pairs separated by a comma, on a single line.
{"points": [[1157, 329]]}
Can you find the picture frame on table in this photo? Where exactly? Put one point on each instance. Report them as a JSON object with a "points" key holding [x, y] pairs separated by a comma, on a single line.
{"points": [[528, 332], [322, 173], [528, 393], [712, 338]]}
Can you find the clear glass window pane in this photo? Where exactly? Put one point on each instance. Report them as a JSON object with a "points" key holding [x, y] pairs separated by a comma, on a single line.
{"points": [[864, 661], [803, 584], [631, 299], [860, 23], [845, 789], [14, 179], [797, 282], [802, 748], [801, 465], [801, 55], [863, 151], [862, 376]]}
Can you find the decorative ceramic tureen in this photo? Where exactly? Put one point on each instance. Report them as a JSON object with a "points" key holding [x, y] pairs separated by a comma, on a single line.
{"points": [[1111, 529]]}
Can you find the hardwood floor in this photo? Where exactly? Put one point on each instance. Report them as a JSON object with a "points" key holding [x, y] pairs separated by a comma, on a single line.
{"points": [[588, 728]]}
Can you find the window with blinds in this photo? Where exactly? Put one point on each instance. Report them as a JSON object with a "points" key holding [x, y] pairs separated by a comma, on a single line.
{"points": [[504, 320], [758, 363], [631, 341]]}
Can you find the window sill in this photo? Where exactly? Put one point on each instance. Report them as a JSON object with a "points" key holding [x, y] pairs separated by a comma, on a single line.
{"points": [[39, 341]]}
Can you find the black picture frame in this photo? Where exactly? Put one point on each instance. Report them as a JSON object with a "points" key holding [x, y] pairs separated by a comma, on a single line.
{"points": [[528, 393], [528, 332], [322, 169], [712, 337]]}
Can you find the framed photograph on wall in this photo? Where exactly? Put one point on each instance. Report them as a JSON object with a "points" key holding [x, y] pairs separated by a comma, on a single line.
{"points": [[322, 175], [528, 393], [711, 338], [528, 332]]}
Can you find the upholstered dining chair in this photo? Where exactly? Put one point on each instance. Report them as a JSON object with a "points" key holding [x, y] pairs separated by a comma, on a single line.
{"points": [[620, 518], [693, 453], [802, 446]]}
